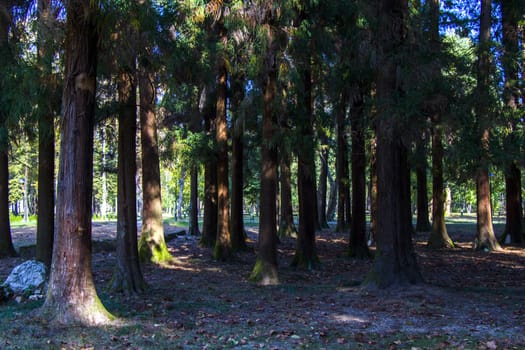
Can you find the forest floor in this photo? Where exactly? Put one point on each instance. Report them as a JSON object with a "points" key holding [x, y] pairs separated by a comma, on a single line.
{"points": [[470, 300]]}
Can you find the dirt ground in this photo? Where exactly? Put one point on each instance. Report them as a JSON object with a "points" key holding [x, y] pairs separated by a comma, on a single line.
{"points": [[471, 300]]}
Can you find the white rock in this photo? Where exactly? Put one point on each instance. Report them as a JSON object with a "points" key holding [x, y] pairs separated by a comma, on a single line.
{"points": [[26, 276]]}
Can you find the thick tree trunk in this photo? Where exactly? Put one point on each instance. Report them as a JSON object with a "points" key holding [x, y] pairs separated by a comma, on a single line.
{"points": [[306, 251], [358, 243], [71, 296], [265, 269], [127, 276], [513, 223], [439, 237], [223, 245], [341, 174], [286, 224], [193, 226], [422, 220], [485, 238], [209, 225], [395, 261], [152, 245]]}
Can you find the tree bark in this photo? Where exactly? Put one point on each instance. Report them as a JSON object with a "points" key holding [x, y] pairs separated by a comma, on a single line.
{"points": [[152, 245], [71, 296], [127, 276], [341, 174], [358, 243], [422, 219], [209, 225], [306, 250], [373, 188], [485, 238], [265, 269], [513, 225], [237, 220], [322, 192], [223, 245], [395, 261], [193, 226], [286, 225]]}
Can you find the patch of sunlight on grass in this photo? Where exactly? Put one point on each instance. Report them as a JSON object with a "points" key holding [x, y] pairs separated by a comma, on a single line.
{"points": [[346, 318]]}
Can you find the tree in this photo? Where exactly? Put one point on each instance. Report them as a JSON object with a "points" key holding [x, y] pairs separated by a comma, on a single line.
{"points": [[265, 269], [46, 138], [71, 296], [422, 220], [127, 276], [152, 245], [342, 179], [6, 243], [485, 238], [510, 14], [223, 245], [439, 237], [395, 261]]}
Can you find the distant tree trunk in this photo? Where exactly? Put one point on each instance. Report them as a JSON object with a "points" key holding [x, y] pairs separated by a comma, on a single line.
{"points": [[395, 261], [71, 296], [223, 245], [422, 220], [152, 245], [286, 225], [358, 243], [265, 269], [373, 188], [193, 226], [341, 174], [332, 198], [322, 192], [514, 217], [180, 198], [485, 238], [209, 225], [306, 250], [127, 276], [439, 237]]}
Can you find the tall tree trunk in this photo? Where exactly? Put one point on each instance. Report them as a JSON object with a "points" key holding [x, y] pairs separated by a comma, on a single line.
{"points": [[422, 220], [395, 261], [238, 233], [513, 223], [322, 192], [71, 296], [209, 225], [6, 243], [332, 198], [127, 276], [306, 251], [341, 174], [485, 238], [193, 226], [358, 242], [223, 244], [286, 224], [265, 269], [439, 237], [152, 245], [180, 198]]}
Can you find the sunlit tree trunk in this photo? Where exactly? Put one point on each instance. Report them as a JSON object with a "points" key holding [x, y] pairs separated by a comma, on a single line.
{"points": [[71, 296], [152, 245], [395, 261], [265, 269], [485, 238], [127, 276], [223, 245]]}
